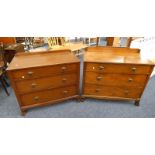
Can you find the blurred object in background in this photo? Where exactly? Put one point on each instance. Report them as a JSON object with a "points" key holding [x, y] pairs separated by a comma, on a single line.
{"points": [[20, 39], [56, 41], [146, 45], [11, 49], [28, 44], [92, 41], [3, 67], [38, 42], [110, 41], [8, 40], [119, 41], [116, 42]]}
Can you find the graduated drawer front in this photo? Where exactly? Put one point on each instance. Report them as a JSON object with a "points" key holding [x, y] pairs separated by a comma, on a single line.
{"points": [[44, 71], [26, 86], [128, 92], [115, 79], [48, 95], [118, 68]]}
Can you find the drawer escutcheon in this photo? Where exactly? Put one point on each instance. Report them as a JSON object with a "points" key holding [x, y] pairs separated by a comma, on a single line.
{"points": [[126, 92], [30, 73], [133, 69], [97, 90], [65, 92], [64, 80], [64, 68], [130, 80], [36, 98], [99, 78], [33, 85], [101, 67]]}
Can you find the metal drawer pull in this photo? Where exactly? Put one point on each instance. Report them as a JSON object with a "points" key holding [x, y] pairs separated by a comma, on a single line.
{"points": [[63, 68], [64, 79], [99, 77], [133, 69], [126, 92], [97, 90], [36, 98], [30, 73], [101, 67], [33, 85], [65, 92], [130, 80]]}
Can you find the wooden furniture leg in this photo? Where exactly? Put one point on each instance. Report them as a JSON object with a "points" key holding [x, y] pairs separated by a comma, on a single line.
{"points": [[82, 99], [137, 103], [97, 42], [3, 85], [7, 84], [23, 112], [78, 99]]}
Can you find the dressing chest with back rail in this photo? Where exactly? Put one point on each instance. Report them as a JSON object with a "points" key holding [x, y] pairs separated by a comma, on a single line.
{"points": [[43, 78], [115, 73]]}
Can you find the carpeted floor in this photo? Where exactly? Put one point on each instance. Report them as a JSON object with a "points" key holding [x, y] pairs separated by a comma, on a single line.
{"points": [[91, 108]]}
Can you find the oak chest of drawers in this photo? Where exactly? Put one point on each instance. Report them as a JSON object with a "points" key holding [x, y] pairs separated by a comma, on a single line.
{"points": [[115, 73], [43, 78]]}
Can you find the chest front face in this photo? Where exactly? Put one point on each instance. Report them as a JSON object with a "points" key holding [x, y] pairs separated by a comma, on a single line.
{"points": [[115, 76], [45, 84]]}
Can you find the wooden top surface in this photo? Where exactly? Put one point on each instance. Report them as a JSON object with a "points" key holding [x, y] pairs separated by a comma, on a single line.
{"points": [[112, 49], [118, 55], [40, 59], [70, 46]]}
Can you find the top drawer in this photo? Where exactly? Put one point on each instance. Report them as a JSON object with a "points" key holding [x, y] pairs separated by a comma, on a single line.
{"points": [[118, 68], [45, 71]]}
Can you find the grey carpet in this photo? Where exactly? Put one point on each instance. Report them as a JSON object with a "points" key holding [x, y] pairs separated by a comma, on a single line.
{"points": [[90, 108]]}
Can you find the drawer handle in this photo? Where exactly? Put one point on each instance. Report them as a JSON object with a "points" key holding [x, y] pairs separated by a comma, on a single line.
{"points": [[65, 92], [36, 98], [101, 67], [64, 80], [133, 69], [126, 92], [63, 68], [33, 85], [99, 78], [130, 80], [30, 73], [97, 90]]}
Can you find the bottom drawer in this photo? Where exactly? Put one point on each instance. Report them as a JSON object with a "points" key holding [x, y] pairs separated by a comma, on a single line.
{"points": [[48, 95], [124, 92]]}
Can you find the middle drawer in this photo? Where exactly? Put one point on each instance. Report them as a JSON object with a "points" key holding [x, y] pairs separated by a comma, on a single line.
{"points": [[115, 79], [46, 83]]}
